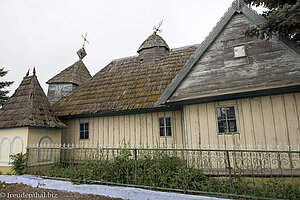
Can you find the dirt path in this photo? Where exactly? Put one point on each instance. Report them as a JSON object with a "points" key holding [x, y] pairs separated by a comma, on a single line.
{"points": [[40, 193]]}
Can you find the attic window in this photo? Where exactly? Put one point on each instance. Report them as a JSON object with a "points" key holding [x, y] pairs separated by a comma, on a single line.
{"points": [[239, 51]]}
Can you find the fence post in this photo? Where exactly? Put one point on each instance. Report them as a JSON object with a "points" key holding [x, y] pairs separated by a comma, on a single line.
{"points": [[26, 163], [229, 168], [135, 165]]}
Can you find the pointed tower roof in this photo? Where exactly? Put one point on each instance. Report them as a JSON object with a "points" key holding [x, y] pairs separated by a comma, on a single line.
{"points": [[153, 40], [28, 106], [76, 73]]}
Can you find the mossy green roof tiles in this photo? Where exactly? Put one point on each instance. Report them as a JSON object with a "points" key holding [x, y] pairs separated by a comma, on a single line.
{"points": [[124, 85]]}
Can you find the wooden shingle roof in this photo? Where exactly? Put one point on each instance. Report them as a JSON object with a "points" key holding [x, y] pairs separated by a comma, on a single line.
{"points": [[76, 73], [153, 40], [124, 85], [28, 106]]}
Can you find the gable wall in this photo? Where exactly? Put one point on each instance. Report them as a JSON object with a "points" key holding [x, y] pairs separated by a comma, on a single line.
{"points": [[267, 65], [137, 130], [57, 91], [268, 120]]}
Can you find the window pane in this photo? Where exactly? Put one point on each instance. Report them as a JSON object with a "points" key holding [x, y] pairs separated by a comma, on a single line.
{"points": [[169, 131], [86, 126], [86, 135], [232, 125], [162, 131], [81, 135], [161, 122], [168, 121], [221, 113], [81, 127], [222, 125], [230, 113]]}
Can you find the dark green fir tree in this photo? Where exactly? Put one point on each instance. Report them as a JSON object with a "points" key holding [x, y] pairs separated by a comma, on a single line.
{"points": [[3, 84], [283, 19]]}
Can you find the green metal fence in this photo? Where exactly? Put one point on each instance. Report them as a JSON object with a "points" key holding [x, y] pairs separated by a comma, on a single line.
{"points": [[240, 173]]}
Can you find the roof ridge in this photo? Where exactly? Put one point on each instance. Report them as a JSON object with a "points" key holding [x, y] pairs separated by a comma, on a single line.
{"points": [[174, 49]]}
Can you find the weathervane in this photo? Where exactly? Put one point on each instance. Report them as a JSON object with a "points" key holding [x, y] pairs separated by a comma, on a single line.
{"points": [[157, 29], [81, 52], [84, 39]]}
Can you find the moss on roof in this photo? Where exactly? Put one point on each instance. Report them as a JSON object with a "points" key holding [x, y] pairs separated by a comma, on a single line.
{"points": [[124, 84]]}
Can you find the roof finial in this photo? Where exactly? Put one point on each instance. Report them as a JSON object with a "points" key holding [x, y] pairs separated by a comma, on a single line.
{"points": [[84, 39], [239, 4], [34, 71], [155, 30], [27, 74]]}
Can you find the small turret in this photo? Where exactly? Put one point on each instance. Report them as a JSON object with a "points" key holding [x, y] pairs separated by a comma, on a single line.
{"points": [[152, 49]]}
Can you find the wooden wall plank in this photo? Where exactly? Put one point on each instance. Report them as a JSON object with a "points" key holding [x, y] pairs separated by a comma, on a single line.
{"points": [[143, 130], [258, 122], [249, 132], [155, 129], [241, 125], [194, 129], [150, 132], [132, 131], [138, 130], [204, 125], [291, 120], [297, 106], [279, 119], [106, 132], [212, 124], [268, 120], [127, 129]]}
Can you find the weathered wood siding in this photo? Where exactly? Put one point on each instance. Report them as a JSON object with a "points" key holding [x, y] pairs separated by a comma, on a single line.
{"points": [[57, 91], [138, 130], [152, 54], [267, 65], [262, 122]]}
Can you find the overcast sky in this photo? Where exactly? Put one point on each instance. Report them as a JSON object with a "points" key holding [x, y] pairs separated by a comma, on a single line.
{"points": [[47, 33]]}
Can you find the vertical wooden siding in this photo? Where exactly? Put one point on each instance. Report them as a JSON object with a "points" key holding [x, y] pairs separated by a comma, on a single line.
{"points": [[263, 122], [138, 130]]}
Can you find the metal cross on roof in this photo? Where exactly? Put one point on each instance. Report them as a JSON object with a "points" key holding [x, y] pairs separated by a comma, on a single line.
{"points": [[84, 39], [157, 29]]}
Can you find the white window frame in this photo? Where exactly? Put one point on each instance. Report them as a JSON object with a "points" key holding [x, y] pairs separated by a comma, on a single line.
{"points": [[217, 121], [165, 127]]}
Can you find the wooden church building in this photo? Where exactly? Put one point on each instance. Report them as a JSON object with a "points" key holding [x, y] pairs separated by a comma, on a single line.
{"points": [[231, 91]]}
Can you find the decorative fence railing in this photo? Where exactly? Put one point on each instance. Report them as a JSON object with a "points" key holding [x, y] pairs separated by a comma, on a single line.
{"points": [[240, 173]]}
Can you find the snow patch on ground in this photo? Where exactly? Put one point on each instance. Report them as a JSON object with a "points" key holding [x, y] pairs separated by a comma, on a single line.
{"points": [[104, 190]]}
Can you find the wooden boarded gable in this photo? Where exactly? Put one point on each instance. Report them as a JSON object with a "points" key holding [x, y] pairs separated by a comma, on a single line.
{"points": [[214, 71]]}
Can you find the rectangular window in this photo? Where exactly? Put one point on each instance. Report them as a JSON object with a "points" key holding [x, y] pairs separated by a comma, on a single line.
{"points": [[84, 131], [226, 119], [165, 126]]}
